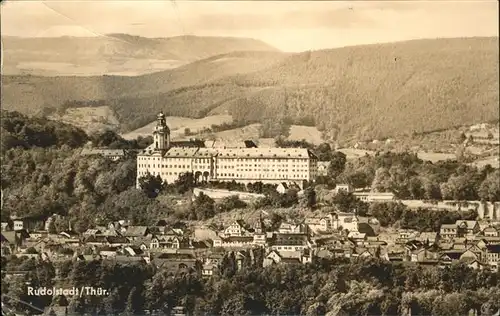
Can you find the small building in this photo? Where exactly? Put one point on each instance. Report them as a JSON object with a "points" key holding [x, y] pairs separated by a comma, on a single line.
{"points": [[282, 188], [291, 228], [375, 196], [238, 228], [209, 269], [234, 241], [319, 224], [491, 232], [323, 168], [343, 187], [290, 242], [467, 228], [112, 154], [291, 257], [448, 231]]}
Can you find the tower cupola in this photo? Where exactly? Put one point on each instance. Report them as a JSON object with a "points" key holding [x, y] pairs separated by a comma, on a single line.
{"points": [[161, 133]]}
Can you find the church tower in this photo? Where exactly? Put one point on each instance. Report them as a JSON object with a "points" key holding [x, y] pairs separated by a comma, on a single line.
{"points": [[161, 133]]}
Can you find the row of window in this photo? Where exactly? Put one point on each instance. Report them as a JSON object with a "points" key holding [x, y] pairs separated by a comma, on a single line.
{"points": [[228, 160], [271, 170], [263, 176], [259, 166], [287, 248], [222, 159], [205, 167]]}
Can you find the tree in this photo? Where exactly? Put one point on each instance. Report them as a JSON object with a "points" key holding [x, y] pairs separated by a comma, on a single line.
{"points": [[345, 201], [337, 164], [185, 182], [459, 187], [204, 206], [358, 179], [461, 138], [324, 152], [382, 182], [52, 226], [235, 305], [230, 203], [309, 197], [490, 187], [151, 185]]}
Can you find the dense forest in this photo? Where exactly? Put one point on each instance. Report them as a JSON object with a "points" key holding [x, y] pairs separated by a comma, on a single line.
{"points": [[54, 178], [20, 131], [326, 287]]}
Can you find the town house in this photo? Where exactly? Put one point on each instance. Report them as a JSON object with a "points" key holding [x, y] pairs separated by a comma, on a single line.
{"points": [[467, 228], [290, 257], [237, 228], [234, 241], [291, 228], [448, 231], [491, 232], [290, 242], [492, 255], [319, 224]]}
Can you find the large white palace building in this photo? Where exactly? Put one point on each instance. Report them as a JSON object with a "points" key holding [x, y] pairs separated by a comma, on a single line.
{"points": [[245, 165]]}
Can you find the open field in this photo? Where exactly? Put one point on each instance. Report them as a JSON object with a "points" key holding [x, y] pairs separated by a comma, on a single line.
{"points": [[434, 157], [492, 161], [90, 119], [178, 124], [310, 133], [353, 153], [132, 67]]}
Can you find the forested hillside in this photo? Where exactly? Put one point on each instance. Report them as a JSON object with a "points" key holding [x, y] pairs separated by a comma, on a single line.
{"points": [[18, 130], [366, 92], [32, 94], [327, 287]]}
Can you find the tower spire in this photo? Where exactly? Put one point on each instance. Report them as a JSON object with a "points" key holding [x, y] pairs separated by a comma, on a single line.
{"points": [[161, 133]]}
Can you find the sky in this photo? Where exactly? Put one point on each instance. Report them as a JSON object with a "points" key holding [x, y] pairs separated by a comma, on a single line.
{"points": [[288, 25]]}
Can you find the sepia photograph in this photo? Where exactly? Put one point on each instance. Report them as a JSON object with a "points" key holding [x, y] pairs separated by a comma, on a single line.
{"points": [[293, 158]]}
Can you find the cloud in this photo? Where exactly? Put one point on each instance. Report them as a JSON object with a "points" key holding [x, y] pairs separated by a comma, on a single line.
{"points": [[289, 25], [307, 19]]}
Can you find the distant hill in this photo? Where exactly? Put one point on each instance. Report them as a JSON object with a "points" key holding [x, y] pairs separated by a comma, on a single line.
{"points": [[362, 92], [120, 54], [32, 93]]}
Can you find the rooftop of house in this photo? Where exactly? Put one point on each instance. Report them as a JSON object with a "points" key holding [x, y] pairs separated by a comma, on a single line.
{"points": [[493, 248], [102, 151], [8, 237], [231, 239], [248, 152], [135, 231], [468, 224], [448, 226]]}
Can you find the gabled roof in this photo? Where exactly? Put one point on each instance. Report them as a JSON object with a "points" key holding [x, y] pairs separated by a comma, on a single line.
{"points": [[175, 256], [490, 229], [92, 231], [449, 226], [468, 224], [493, 248], [135, 231], [117, 240], [454, 255], [95, 239], [128, 259], [102, 151], [9, 237]]}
